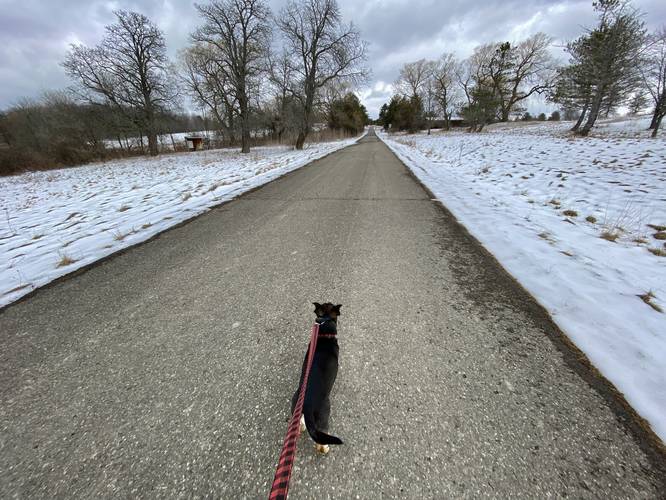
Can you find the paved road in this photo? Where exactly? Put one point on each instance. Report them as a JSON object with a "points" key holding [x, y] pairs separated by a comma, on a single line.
{"points": [[167, 371]]}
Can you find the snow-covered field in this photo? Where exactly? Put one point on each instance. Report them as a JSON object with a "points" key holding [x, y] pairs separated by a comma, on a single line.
{"points": [[54, 222], [581, 223]]}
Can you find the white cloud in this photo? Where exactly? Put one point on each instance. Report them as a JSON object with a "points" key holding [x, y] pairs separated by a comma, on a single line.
{"points": [[34, 36]]}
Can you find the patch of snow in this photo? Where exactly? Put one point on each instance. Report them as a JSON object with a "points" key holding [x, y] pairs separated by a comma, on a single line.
{"points": [[54, 222], [513, 188], [164, 141]]}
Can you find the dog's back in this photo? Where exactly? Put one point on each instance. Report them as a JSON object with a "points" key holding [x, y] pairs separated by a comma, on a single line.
{"points": [[324, 370]]}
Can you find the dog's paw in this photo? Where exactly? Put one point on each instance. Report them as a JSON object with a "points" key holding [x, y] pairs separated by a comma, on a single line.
{"points": [[302, 427], [322, 448]]}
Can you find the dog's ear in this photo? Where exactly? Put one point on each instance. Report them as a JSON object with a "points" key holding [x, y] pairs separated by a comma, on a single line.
{"points": [[318, 308], [336, 309]]}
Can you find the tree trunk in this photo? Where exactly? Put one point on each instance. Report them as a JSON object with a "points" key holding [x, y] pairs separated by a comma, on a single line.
{"points": [[594, 113], [151, 132], [307, 116], [231, 131], [655, 114], [310, 90], [656, 126], [659, 110], [580, 118], [245, 126], [300, 140], [152, 143], [245, 141]]}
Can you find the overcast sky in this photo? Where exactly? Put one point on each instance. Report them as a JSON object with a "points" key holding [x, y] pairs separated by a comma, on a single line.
{"points": [[35, 35]]}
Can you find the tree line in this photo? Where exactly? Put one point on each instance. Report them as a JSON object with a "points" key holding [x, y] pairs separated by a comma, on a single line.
{"points": [[614, 64], [251, 71]]}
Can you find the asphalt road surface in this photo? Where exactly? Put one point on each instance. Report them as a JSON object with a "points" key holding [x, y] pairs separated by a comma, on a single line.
{"points": [[166, 371]]}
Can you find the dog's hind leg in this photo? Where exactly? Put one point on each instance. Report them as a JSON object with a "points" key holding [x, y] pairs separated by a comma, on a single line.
{"points": [[322, 416], [321, 419]]}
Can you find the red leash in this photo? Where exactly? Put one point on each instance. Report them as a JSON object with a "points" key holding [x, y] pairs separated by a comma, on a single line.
{"points": [[283, 474]]}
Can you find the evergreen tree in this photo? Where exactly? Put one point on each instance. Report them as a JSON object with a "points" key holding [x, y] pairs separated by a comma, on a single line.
{"points": [[348, 114]]}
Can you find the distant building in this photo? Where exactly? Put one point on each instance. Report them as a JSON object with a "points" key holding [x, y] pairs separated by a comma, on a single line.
{"points": [[194, 143]]}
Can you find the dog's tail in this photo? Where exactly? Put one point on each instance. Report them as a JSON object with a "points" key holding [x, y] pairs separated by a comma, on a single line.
{"points": [[318, 436]]}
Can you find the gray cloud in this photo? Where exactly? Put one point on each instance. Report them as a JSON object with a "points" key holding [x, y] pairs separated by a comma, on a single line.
{"points": [[35, 35]]}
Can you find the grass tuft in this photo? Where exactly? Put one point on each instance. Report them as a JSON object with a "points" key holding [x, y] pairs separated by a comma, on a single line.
{"points": [[123, 208], [118, 236], [659, 252], [610, 235], [65, 260], [661, 235], [656, 227], [647, 298], [591, 219], [570, 213], [547, 236]]}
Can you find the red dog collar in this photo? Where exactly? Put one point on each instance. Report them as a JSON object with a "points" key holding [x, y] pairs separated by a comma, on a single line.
{"points": [[326, 335]]}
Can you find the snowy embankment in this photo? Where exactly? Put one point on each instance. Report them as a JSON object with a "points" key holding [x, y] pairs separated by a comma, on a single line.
{"points": [[580, 223], [54, 222]]}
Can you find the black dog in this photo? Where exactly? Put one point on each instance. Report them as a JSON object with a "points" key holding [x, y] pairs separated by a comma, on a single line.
{"points": [[324, 370]]}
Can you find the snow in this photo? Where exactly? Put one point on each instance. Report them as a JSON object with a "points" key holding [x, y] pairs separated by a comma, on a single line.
{"points": [[510, 187], [54, 222], [165, 141]]}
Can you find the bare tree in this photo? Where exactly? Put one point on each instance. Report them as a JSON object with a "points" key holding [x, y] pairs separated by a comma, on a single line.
{"points": [[505, 74], [653, 74], [239, 32], [286, 108], [322, 49], [446, 89], [530, 71], [209, 86], [429, 101], [128, 69], [464, 73], [479, 77], [414, 77], [333, 92], [416, 82]]}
